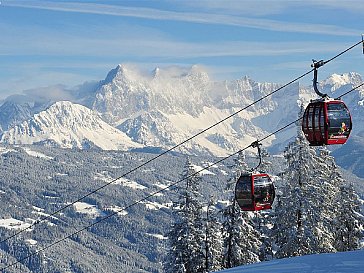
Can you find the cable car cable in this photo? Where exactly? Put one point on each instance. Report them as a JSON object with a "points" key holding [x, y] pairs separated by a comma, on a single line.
{"points": [[159, 191], [360, 85], [170, 149], [346, 50]]}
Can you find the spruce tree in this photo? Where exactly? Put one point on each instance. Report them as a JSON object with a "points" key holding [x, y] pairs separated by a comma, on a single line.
{"points": [[213, 243], [186, 235], [349, 222], [327, 207], [294, 215]]}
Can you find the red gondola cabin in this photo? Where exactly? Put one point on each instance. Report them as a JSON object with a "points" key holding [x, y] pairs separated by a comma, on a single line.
{"points": [[254, 191], [326, 122]]}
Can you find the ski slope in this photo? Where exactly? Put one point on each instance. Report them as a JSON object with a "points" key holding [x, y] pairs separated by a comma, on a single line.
{"points": [[341, 262]]}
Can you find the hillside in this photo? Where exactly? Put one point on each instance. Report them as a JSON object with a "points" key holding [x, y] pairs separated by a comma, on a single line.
{"points": [[36, 181]]}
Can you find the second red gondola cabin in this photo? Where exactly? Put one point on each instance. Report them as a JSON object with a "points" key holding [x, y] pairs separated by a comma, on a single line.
{"points": [[326, 122], [254, 191]]}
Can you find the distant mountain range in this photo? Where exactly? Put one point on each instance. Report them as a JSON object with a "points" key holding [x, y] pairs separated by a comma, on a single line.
{"points": [[132, 109]]}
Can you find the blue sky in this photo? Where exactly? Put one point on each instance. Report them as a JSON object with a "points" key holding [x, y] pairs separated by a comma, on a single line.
{"points": [[52, 42]]}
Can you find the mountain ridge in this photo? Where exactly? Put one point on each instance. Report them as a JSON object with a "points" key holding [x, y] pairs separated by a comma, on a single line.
{"points": [[68, 125], [164, 107]]}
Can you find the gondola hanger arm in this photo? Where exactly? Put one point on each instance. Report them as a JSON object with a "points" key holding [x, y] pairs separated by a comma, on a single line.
{"points": [[316, 65], [257, 145]]}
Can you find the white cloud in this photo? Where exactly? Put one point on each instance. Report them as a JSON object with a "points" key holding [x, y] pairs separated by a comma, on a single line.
{"points": [[195, 17], [354, 6], [55, 92], [254, 8], [43, 41]]}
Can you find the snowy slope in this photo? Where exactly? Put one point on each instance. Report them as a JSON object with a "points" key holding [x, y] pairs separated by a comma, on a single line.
{"points": [[342, 262], [68, 125]]}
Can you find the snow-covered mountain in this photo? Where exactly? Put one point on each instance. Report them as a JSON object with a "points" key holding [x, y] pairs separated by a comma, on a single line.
{"points": [[68, 125], [127, 92], [164, 107], [168, 106]]}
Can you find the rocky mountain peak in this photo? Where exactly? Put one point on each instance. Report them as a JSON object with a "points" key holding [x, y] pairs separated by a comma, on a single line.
{"points": [[117, 75], [336, 81]]}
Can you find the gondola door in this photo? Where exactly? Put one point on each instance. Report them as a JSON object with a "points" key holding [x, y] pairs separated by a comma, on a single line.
{"points": [[244, 192]]}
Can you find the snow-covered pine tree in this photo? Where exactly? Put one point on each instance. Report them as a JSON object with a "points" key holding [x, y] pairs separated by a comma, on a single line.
{"points": [[306, 212], [185, 238], [213, 243], [292, 236], [329, 190], [238, 167], [240, 240], [346, 221], [263, 224], [349, 221], [19, 250]]}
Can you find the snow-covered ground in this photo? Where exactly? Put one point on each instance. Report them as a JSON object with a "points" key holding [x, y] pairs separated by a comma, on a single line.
{"points": [[119, 210], [11, 223], [341, 262], [4, 150], [36, 154], [158, 236], [89, 209], [104, 176], [129, 183], [202, 171], [154, 205]]}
